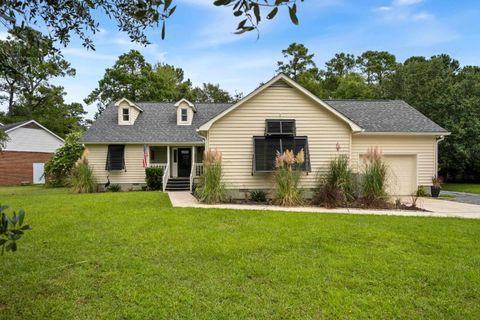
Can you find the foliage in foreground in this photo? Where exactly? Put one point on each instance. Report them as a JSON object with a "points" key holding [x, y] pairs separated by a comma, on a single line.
{"points": [[337, 187], [288, 171], [132, 256], [11, 229], [258, 196], [3, 139], [211, 189], [154, 178], [82, 179], [57, 169]]}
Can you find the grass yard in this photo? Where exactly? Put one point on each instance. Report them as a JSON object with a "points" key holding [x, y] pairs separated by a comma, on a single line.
{"points": [[133, 256], [462, 187]]}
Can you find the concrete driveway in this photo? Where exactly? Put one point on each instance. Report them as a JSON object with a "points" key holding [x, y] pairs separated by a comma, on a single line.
{"points": [[436, 207]]}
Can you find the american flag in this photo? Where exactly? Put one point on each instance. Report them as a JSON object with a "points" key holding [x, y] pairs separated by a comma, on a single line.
{"points": [[145, 155]]}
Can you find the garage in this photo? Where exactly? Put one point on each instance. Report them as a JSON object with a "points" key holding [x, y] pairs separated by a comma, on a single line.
{"points": [[402, 177], [402, 173]]}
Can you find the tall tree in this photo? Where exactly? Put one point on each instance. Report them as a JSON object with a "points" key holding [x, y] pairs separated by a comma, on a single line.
{"points": [[132, 77], [128, 78], [28, 61], [299, 60], [211, 93], [376, 65], [340, 65]]}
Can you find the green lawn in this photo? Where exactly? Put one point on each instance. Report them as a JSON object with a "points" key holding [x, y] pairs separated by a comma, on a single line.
{"points": [[462, 187], [133, 256]]}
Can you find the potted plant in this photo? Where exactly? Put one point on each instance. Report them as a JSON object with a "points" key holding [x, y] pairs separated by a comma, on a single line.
{"points": [[436, 186]]}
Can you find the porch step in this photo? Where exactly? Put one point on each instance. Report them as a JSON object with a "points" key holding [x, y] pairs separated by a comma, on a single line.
{"points": [[178, 184]]}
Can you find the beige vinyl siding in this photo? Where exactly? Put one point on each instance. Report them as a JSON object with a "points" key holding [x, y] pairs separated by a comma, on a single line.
{"points": [[135, 172], [423, 147], [232, 134]]}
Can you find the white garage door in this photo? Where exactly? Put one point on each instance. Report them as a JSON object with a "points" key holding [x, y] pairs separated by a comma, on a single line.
{"points": [[402, 174]]}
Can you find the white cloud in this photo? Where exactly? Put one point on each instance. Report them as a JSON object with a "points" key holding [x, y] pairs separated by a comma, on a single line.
{"points": [[152, 50], [406, 2], [422, 16], [4, 35], [384, 8]]}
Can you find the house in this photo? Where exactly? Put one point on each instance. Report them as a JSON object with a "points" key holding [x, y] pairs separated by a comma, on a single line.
{"points": [[278, 115], [30, 145]]}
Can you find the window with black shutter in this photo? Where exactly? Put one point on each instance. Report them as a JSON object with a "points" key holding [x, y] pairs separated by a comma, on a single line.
{"points": [[282, 127], [266, 148], [115, 157]]}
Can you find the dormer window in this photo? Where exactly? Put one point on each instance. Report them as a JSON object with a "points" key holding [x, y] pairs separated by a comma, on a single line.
{"points": [[184, 115], [126, 114]]}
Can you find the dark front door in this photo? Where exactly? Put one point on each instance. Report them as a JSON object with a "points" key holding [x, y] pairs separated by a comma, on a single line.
{"points": [[184, 162]]}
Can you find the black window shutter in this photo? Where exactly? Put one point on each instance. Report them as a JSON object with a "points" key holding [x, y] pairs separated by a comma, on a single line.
{"points": [[115, 157]]}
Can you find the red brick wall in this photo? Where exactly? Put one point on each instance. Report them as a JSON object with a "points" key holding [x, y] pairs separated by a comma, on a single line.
{"points": [[17, 167]]}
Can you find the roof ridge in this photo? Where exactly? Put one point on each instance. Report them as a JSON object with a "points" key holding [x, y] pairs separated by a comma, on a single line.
{"points": [[360, 100], [173, 102]]}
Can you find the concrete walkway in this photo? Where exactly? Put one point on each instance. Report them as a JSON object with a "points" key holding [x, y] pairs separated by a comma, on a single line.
{"points": [[463, 197], [437, 208]]}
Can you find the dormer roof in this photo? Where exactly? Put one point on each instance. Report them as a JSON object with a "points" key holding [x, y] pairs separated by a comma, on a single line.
{"points": [[183, 100], [130, 103]]}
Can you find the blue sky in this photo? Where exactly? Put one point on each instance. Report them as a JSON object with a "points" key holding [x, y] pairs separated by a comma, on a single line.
{"points": [[200, 40]]}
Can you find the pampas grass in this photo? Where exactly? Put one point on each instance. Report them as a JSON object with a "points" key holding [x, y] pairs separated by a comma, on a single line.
{"points": [[287, 177], [374, 178], [81, 178], [211, 188]]}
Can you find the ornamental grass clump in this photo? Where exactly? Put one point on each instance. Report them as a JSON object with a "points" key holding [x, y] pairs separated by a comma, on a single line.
{"points": [[374, 179], [337, 187], [288, 169], [211, 188], [82, 179]]}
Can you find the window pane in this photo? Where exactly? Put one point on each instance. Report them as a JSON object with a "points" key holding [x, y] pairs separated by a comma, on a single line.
{"points": [[273, 126], [184, 114], [265, 152], [115, 157], [288, 127]]}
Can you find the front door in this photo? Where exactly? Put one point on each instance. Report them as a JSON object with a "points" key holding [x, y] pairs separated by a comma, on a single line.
{"points": [[184, 162]]}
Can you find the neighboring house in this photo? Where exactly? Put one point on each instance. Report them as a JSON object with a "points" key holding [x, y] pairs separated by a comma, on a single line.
{"points": [[278, 115], [30, 145]]}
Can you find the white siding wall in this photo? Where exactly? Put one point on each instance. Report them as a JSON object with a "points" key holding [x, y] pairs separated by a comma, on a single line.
{"points": [[97, 157], [423, 147], [33, 140], [233, 133]]}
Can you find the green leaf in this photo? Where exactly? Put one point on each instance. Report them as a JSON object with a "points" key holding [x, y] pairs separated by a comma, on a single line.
{"points": [[11, 246], [293, 14], [272, 13], [21, 216], [3, 241], [222, 2], [238, 13], [241, 24], [256, 11], [167, 4], [163, 30], [26, 227], [172, 10]]}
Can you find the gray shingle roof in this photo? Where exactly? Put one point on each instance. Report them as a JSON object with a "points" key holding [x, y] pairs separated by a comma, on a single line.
{"points": [[385, 116], [12, 125], [157, 123]]}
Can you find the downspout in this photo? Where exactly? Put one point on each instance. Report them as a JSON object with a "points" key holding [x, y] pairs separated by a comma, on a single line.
{"points": [[438, 139]]}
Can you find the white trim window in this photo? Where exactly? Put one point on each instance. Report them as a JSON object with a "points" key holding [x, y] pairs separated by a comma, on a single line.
{"points": [[126, 114], [184, 114]]}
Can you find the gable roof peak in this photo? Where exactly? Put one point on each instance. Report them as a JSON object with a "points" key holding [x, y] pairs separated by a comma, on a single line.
{"points": [[130, 103], [183, 100]]}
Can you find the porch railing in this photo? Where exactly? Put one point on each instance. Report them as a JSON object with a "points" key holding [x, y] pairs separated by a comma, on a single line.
{"points": [[159, 165], [166, 175], [197, 171]]}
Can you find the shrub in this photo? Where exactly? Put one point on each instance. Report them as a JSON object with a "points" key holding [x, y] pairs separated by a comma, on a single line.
{"points": [[82, 179], [154, 178], [258, 196], [338, 186], [11, 229], [374, 178], [437, 181], [57, 169], [421, 192], [114, 188], [211, 188], [287, 177]]}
